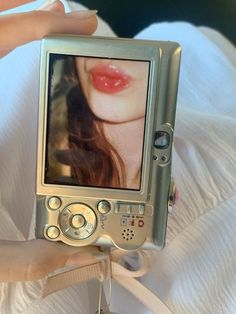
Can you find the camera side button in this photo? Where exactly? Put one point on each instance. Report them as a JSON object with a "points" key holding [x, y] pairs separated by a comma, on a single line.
{"points": [[173, 196], [54, 203], [53, 232]]}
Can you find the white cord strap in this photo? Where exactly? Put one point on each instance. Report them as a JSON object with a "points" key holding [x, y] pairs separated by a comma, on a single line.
{"points": [[111, 268], [74, 276], [126, 279]]}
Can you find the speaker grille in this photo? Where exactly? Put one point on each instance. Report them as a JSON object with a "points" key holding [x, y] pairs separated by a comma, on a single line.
{"points": [[128, 234]]}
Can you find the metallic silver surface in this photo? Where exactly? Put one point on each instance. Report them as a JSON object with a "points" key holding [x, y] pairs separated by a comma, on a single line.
{"points": [[127, 219]]}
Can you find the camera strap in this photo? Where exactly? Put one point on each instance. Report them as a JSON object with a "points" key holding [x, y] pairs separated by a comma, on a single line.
{"points": [[111, 268]]}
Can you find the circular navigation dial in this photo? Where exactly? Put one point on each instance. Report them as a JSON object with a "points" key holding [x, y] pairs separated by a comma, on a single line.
{"points": [[78, 221]]}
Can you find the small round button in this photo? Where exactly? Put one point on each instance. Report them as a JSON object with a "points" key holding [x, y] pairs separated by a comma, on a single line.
{"points": [[78, 221], [54, 203], [53, 232], [104, 207]]}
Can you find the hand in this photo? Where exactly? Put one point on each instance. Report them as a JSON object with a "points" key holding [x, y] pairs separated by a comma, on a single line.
{"points": [[35, 259], [20, 28], [32, 260]]}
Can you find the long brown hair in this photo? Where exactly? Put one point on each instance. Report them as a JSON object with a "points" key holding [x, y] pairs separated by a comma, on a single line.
{"points": [[92, 158]]}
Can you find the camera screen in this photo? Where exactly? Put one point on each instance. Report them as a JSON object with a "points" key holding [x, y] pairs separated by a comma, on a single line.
{"points": [[96, 121]]}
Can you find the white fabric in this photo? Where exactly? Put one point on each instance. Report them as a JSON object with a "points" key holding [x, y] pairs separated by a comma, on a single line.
{"points": [[105, 270], [196, 272]]}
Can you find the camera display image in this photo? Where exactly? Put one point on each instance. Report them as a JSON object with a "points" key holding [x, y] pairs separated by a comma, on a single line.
{"points": [[96, 121]]}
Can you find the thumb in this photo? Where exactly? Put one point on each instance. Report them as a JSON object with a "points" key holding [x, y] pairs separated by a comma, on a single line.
{"points": [[21, 28]]}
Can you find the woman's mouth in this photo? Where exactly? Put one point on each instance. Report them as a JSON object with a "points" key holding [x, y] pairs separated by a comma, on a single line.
{"points": [[108, 78]]}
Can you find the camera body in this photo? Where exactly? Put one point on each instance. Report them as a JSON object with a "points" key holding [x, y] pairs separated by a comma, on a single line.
{"points": [[106, 212]]}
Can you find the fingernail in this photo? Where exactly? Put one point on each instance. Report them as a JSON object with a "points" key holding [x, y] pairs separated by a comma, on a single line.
{"points": [[47, 4], [83, 14]]}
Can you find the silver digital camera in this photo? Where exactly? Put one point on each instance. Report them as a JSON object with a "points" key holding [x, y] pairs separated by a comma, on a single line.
{"points": [[106, 121]]}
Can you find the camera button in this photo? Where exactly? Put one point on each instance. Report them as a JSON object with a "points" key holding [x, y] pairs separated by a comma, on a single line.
{"points": [[123, 208], [137, 209], [104, 207], [54, 203], [162, 140], [173, 196], [130, 208], [53, 232], [78, 221]]}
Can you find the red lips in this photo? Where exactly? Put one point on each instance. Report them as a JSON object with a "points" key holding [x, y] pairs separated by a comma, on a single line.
{"points": [[108, 78]]}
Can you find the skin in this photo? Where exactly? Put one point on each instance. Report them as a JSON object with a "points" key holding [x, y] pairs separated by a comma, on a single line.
{"points": [[32, 260], [18, 29], [122, 112], [124, 106]]}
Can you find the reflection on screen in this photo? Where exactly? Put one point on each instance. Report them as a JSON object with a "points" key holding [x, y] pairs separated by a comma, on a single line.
{"points": [[95, 121]]}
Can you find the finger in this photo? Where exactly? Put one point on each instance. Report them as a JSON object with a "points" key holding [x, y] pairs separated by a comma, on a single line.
{"points": [[33, 260], [55, 6], [4, 52], [9, 4], [26, 27], [46, 257]]}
